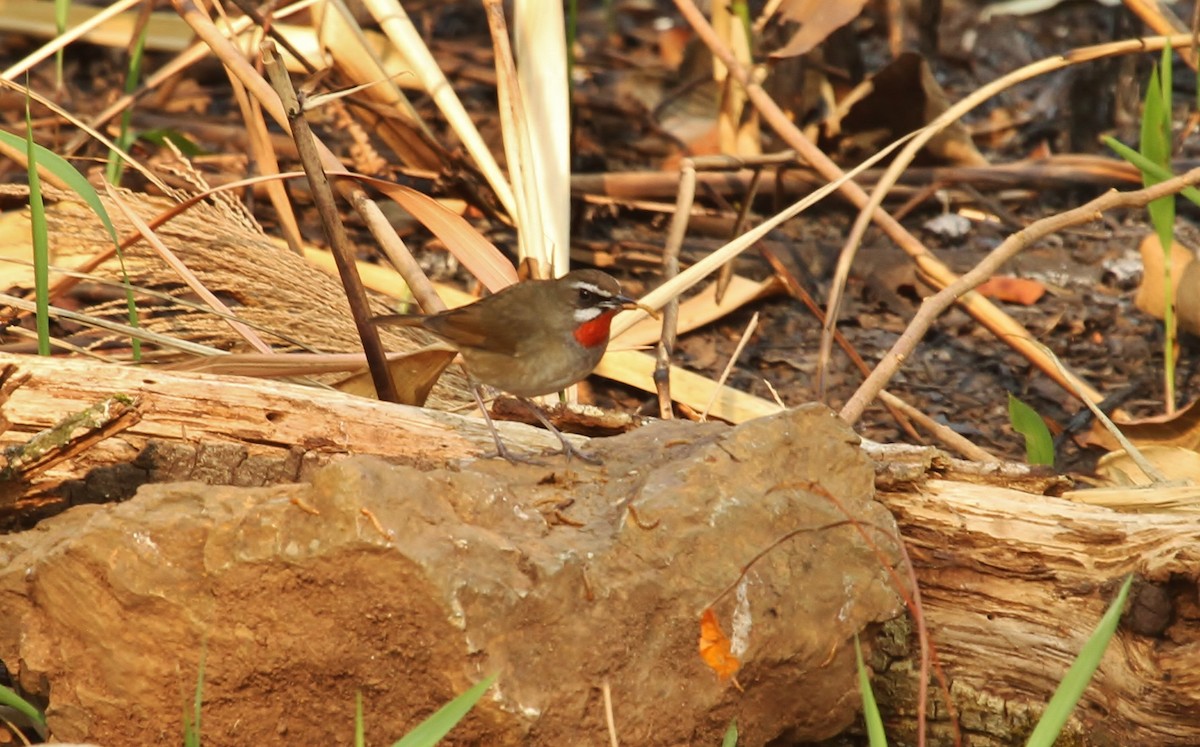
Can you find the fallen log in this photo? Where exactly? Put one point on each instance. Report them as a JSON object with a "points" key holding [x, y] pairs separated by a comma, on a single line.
{"points": [[1012, 581]]}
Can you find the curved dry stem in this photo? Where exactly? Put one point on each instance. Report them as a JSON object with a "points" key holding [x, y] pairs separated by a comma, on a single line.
{"points": [[99, 136], [930, 266], [699, 270], [670, 268], [124, 330], [984, 311], [186, 274], [374, 218], [194, 53], [396, 24], [933, 306], [61, 41]]}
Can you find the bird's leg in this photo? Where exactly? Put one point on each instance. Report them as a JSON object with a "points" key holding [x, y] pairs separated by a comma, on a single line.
{"points": [[501, 450], [568, 448]]}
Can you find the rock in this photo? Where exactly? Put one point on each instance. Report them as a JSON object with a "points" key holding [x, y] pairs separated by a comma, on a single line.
{"points": [[296, 599]]}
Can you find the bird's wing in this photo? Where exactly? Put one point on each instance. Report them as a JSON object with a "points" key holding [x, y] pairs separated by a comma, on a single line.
{"points": [[461, 327]]}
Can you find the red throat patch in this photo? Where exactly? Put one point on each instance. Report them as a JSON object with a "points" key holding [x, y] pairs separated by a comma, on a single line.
{"points": [[595, 332]]}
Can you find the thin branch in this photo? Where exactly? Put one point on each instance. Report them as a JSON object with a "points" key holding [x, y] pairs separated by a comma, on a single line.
{"points": [[932, 307], [987, 313], [609, 719], [335, 231], [371, 214], [737, 353], [1003, 326], [670, 268]]}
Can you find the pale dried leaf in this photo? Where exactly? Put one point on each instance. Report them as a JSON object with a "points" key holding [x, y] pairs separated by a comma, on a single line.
{"points": [[1185, 277], [818, 19], [1175, 462], [1181, 428], [413, 375]]}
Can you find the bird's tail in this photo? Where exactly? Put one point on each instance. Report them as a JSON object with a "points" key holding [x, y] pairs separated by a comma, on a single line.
{"points": [[398, 320]]}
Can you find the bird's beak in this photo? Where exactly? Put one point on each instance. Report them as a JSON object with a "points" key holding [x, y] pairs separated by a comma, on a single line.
{"points": [[632, 303]]}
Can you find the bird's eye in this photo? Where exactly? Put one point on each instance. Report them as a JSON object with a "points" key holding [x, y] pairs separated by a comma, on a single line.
{"points": [[588, 296]]}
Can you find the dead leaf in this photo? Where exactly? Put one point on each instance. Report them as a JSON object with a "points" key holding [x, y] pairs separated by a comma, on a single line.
{"points": [[1150, 293], [1000, 128], [413, 375], [1187, 300], [714, 647], [700, 136], [902, 97], [1012, 290], [1180, 429], [818, 19], [1176, 463], [16, 271], [1185, 276], [672, 45], [480, 256]]}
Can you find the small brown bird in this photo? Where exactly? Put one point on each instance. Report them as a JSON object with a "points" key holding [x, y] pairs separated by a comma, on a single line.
{"points": [[532, 338]]}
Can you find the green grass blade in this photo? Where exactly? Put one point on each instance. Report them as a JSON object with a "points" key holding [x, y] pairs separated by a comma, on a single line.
{"points": [[1160, 173], [1168, 85], [161, 135], [1039, 444], [1059, 709], [1163, 219], [40, 239], [191, 722], [1155, 145], [125, 137], [360, 729], [9, 698], [60, 25], [871, 717], [78, 184], [431, 730], [63, 170], [731, 735]]}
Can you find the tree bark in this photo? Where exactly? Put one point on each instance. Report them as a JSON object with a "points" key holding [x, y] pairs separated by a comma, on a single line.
{"points": [[1012, 581]]}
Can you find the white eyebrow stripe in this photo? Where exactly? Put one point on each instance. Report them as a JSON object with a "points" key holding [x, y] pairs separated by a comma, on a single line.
{"points": [[581, 285]]}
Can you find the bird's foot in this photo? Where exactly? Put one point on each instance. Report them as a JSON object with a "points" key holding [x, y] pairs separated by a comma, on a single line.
{"points": [[512, 457], [569, 450]]}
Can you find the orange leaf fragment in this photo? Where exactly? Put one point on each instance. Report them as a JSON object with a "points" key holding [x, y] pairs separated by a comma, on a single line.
{"points": [[714, 647], [1012, 290]]}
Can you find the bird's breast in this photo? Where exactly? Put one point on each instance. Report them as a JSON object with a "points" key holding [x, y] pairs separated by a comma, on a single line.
{"points": [[544, 365]]}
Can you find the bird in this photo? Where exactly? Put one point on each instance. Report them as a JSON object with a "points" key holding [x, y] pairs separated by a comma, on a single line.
{"points": [[532, 338]]}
